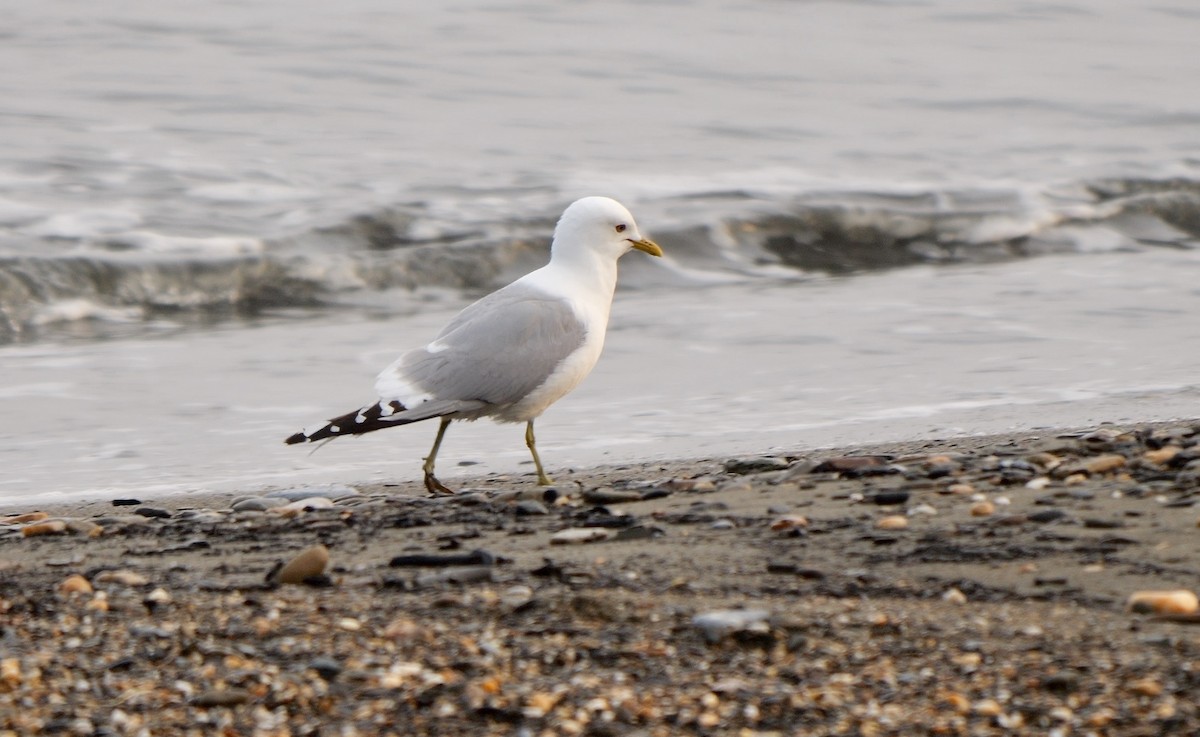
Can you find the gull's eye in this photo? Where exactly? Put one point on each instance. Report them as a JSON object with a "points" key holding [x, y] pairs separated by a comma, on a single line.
{"points": [[621, 228]]}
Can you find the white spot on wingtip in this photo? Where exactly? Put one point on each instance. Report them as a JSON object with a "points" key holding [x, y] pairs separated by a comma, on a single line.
{"points": [[334, 428]]}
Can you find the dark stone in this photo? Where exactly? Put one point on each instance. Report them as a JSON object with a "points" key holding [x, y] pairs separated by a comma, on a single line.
{"points": [[153, 512], [126, 502], [326, 668], [474, 558], [888, 498], [758, 464]]}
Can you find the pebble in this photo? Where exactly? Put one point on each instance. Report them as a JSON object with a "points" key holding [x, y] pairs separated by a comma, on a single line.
{"points": [[427, 560], [926, 509], [221, 698], [21, 519], [1179, 601], [1146, 687], [300, 506], [84, 527], [529, 508], [75, 584], [327, 668], [789, 522], [1104, 463], [718, 623], [152, 513], [308, 564], [157, 597], [608, 495], [466, 574], [257, 504], [755, 464], [123, 577], [983, 509], [699, 485], [49, 527], [893, 522], [954, 596], [331, 492], [1162, 455], [578, 535], [639, 532], [1047, 515], [854, 465], [722, 524], [889, 498], [1039, 483]]}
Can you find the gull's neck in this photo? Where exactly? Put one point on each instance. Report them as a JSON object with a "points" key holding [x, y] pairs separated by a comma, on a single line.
{"points": [[586, 271]]}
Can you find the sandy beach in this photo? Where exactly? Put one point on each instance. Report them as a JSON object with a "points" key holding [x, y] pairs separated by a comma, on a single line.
{"points": [[964, 586]]}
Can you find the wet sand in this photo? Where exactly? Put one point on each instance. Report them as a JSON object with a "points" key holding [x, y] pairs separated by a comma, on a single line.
{"points": [[965, 586]]}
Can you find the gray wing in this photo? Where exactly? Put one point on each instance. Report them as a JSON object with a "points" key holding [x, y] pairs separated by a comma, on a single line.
{"points": [[497, 350]]}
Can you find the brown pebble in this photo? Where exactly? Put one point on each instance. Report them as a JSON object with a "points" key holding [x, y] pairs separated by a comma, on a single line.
{"points": [[789, 522], [1162, 455], [20, 519], [123, 577], [893, 522], [228, 697], [987, 708], [1179, 601], [75, 584], [84, 527], [1105, 463], [960, 489], [307, 564], [50, 527], [1146, 687], [983, 509], [957, 702]]}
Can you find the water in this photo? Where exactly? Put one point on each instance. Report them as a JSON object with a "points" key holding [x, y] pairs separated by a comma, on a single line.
{"points": [[218, 222]]}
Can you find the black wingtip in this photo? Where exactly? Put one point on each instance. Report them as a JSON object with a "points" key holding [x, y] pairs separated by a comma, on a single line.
{"points": [[297, 438]]}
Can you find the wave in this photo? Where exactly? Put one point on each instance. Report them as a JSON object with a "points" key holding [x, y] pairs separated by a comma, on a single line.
{"points": [[123, 278]]}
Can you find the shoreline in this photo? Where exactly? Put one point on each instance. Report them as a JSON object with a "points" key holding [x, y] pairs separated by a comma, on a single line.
{"points": [[961, 586]]}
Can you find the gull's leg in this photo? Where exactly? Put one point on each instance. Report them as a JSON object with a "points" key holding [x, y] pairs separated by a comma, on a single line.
{"points": [[543, 479], [432, 485]]}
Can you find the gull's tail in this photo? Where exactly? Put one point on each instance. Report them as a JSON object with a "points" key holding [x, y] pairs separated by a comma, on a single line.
{"points": [[385, 414], [368, 419]]}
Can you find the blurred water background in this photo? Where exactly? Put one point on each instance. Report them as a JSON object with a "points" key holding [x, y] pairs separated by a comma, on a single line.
{"points": [[884, 219]]}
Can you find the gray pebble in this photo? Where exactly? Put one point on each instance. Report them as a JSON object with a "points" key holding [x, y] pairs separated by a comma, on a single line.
{"points": [[755, 464], [329, 491], [258, 504], [526, 507]]}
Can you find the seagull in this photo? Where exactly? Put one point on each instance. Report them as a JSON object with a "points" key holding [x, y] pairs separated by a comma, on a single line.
{"points": [[516, 351]]}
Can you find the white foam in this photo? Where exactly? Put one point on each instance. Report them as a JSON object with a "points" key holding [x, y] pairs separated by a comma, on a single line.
{"points": [[251, 192], [85, 223], [71, 310], [159, 243]]}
